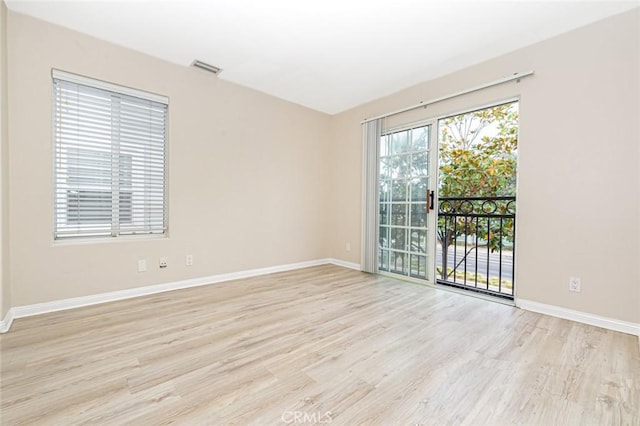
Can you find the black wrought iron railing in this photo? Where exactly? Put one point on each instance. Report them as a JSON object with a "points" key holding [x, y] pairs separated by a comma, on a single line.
{"points": [[476, 243]]}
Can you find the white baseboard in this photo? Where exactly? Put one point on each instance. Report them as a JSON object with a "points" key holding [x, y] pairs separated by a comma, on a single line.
{"points": [[583, 317], [94, 299], [344, 264], [5, 323]]}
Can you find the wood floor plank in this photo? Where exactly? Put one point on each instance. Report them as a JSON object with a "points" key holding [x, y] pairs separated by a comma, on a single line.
{"points": [[317, 345]]}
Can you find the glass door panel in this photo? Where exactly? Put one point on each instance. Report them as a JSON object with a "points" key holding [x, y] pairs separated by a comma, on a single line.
{"points": [[404, 232]]}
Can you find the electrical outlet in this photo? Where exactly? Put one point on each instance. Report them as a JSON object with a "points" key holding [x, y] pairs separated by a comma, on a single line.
{"points": [[347, 246], [574, 284], [142, 265], [189, 259], [163, 262]]}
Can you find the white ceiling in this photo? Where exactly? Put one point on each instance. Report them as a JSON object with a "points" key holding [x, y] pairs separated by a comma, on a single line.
{"points": [[329, 55]]}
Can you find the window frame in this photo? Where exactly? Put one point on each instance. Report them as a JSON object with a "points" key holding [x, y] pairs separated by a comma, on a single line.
{"points": [[115, 232]]}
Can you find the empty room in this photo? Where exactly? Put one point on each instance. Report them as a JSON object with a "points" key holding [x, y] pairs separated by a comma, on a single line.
{"points": [[348, 212]]}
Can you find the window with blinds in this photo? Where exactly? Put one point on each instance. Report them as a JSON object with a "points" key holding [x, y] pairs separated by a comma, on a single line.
{"points": [[110, 159]]}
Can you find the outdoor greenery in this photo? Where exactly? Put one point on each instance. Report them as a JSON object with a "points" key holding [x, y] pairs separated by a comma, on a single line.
{"points": [[478, 153], [478, 158]]}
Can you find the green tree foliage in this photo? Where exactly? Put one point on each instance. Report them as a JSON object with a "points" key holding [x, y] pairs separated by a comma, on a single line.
{"points": [[477, 158]]}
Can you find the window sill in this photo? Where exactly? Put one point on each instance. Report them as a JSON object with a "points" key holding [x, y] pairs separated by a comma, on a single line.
{"points": [[107, 240]]}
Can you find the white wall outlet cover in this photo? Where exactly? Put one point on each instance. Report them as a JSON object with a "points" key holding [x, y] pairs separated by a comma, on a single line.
{"points": [[142, 265], [574, 284], [163, 262]]}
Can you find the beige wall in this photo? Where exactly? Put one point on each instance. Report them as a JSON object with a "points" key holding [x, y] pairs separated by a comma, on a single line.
{"points": [[5, 287], [247, 173], [578, 193]]}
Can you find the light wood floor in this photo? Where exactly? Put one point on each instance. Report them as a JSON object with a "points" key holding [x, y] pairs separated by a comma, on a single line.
{"points": [[319, 345]]}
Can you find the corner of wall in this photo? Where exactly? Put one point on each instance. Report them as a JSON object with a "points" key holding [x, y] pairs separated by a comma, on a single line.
{"points": [[5, 288]]}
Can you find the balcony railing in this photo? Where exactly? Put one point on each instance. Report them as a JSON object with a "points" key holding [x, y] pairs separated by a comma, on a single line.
{"points": [[476, 242]]}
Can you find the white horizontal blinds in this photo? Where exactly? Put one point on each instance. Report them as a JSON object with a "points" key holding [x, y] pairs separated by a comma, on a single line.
{"points": [[110, 162]]}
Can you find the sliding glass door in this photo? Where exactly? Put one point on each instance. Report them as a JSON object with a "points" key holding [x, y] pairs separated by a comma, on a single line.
{"points": [[407, 219], [478, 157]]}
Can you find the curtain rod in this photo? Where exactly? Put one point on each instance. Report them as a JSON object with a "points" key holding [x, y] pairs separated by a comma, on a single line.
{"points": [[515, 76]]}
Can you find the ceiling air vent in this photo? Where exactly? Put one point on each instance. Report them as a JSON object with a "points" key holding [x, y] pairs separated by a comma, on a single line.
{"points": [[206, 67]]}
